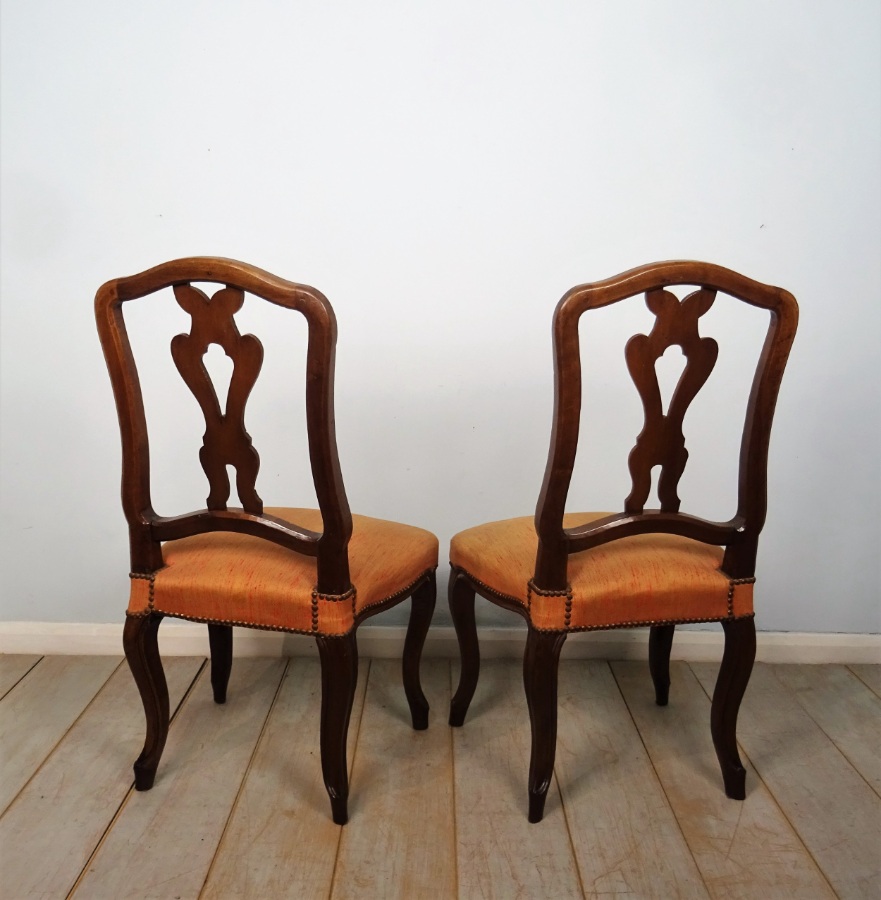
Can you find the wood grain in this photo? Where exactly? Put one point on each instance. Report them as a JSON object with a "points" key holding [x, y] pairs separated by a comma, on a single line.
{"points": [[50, 699], [163, 841], [81, 785], [280, 832], [834, 811], [847, 711], [13, 667], [399, 842], [499, 853], [744, 849], [625, 836], [741, 533], [869, 674]]}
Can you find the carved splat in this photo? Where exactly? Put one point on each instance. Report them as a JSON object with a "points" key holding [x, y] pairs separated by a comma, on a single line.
{"points": [[225, 441], [661, 441]]}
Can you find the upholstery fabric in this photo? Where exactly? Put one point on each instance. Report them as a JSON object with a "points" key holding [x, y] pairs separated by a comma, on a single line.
{"points": [[639, 580], [245, 580]]}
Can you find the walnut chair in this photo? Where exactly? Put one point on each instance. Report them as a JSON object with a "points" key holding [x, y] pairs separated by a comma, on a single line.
{"points": [[319, 572], [641, 567]]}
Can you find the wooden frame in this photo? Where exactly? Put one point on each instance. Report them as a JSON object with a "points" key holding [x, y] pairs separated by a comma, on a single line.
{"points": [[226, 442], [661, 442]]}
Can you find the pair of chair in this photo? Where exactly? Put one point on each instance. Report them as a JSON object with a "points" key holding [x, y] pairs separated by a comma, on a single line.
{"points": [[322, 572]]}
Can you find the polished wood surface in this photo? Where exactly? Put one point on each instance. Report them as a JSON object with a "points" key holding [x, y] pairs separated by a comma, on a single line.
{"points": [[226, 442], [674, 325], [661, 443]]}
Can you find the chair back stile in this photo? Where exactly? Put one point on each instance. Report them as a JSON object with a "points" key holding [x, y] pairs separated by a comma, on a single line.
{"points": [[226, 442], [661, 441]]}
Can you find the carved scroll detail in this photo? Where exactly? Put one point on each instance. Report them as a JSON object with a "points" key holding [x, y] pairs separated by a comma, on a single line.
{"points": [[225, 441], [661, 441]]}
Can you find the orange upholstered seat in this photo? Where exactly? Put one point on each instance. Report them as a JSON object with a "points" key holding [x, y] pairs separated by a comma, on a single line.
{"points": [[647, 579], [243, 580]]}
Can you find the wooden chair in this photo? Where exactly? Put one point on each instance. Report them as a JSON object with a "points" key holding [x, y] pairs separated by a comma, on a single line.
{"points": [[319, 572], [581, 572]]}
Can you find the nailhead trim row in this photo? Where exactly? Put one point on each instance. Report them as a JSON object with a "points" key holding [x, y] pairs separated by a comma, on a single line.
{"points": [[151, 577], [315, 595], [731, 585], [530, 589]]}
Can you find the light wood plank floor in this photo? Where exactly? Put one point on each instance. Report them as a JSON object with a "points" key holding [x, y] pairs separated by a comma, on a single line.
{"points": [[239, 808]]}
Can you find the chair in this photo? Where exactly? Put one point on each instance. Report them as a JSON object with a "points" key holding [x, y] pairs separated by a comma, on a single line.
{"points": [[581, 572], [319, 572]]}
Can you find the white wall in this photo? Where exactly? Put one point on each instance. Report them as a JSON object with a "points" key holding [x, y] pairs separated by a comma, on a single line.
{"points": [[443, 171]]}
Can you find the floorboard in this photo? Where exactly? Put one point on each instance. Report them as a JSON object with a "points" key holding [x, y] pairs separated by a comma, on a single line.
{"points": [[37, 712], [281, 833], [869, 674], [163, 841], [14, 667], [636, 807], [499, 853], [836, 814], [399, 843], [625, 836], [847, 711], [81, 785], [743, 849]]}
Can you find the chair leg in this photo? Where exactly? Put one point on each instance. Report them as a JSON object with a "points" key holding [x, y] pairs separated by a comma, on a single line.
{"points": [[461, 597], [142, 653], [660, 644], [540, 681], [421, 611], [737, 665], [339, 676], [220, 642]]}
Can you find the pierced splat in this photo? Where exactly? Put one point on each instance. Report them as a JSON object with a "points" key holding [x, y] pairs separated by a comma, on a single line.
{"points": [[225, 441], [661, 441]]}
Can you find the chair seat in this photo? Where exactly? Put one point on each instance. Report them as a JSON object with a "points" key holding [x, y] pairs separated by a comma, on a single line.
{"points": [[243, 580], [643, 580]]}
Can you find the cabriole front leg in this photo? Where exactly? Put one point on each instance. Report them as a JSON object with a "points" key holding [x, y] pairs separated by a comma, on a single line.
{"points": [[139, 640], [461, 598], [737, 665], [339, 676], [421, 611]]}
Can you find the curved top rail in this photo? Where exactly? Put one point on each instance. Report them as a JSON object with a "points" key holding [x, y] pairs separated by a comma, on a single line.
{"points": [[596, 294], [214, 269]]}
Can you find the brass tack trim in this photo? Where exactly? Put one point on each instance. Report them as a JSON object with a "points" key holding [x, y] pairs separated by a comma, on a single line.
{"points": [[532, 589], [214, 621], [404, 592], [151, 577], [732, 583], [334, 598], [644, 624]]}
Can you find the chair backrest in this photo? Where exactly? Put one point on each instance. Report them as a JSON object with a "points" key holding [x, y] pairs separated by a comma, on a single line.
{"points": [[226, 442], [661, 441]]}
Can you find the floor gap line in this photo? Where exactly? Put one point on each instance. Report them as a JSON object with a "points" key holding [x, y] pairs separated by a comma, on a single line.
{"points": [[247, 771], [660, 782]]}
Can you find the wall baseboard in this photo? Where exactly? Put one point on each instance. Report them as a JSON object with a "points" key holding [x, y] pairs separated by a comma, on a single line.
{"points": [[191, 639]]}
